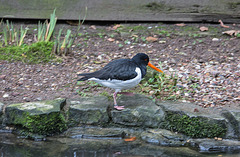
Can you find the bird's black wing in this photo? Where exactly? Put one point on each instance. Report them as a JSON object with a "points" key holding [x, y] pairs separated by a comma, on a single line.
{"points": [[121, 69]]}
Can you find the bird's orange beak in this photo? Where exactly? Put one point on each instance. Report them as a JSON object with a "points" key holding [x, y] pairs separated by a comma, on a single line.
{"points": [[155, 68]]}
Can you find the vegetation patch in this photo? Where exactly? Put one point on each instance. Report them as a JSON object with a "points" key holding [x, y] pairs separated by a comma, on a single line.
{"points": [[39, 52], [159, 85], [193, 126]]}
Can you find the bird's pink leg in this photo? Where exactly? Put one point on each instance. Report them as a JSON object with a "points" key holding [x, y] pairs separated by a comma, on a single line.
{"points": [[115, 102]]}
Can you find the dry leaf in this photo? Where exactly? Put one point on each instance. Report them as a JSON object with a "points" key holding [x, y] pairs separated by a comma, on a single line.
{"points": [[130, 139], [93, 27], [232, 32], [180, 24], [151, 39], [222, 24], [203, 28], [116, 26], [111, 39]]}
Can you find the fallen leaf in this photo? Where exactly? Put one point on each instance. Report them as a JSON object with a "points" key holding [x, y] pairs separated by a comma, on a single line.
{"points": [[93, 27], [116, 26], [180, 24], [151, 39], [222, 24], [111, 39], [232, 32], [130, 139], [203, 28]]}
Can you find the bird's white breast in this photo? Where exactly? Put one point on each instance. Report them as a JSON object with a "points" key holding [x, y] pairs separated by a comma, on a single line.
{"points": [[119, 84]]}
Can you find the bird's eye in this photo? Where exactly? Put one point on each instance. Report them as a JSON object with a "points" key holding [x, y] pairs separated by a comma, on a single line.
{"points": [[145, 59]]}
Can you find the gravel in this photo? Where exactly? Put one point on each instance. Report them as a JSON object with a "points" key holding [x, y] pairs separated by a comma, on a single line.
{"points": [[210, 67]]}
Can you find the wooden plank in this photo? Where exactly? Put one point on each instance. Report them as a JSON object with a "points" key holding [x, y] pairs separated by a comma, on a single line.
{"points": [[124, 10]]}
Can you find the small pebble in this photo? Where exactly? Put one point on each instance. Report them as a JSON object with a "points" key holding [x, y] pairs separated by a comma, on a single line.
{"points": [[215, 39], [162, 42], [186, 94], [5, 95], [197, 67]]}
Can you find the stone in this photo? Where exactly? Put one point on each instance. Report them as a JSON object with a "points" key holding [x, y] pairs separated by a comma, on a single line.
{"points": [[232, 115], [163, 137], [5, 95], [181, 117], [95, 133], [89, 110], [157, 151], [215, 39], [139, 111], [1, 112], [42, 117], [216, 146]]}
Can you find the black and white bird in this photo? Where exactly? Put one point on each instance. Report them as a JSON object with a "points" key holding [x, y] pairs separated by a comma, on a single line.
{"points": [[121, 74]]}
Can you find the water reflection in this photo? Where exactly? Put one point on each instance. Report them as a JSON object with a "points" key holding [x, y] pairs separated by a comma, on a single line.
{"points": [[12, 146]]}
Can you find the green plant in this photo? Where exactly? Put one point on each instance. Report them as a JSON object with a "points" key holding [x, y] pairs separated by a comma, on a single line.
{"points": [[143, 39], [5, 36], [11, 35], [62, 47], [46, 29], [50, 26], [238, 35], [23, 33], [41, 31], [160, 85]]}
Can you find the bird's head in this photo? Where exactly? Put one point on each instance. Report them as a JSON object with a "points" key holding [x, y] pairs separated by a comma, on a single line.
{"points": [[143, 59]]}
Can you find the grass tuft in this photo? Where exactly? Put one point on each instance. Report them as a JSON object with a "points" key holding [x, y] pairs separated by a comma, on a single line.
{"points": [[39, 52]]}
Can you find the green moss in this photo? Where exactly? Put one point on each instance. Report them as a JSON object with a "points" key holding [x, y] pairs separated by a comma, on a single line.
{"points": [[45, 124], [39, 52], [193, 126]]}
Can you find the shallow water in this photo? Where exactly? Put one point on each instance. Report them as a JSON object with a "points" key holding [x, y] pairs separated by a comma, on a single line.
{"points": [[13, 146]]}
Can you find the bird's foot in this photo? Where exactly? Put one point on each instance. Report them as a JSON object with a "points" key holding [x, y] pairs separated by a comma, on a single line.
{"points": [[126, 93], [119, 107]]}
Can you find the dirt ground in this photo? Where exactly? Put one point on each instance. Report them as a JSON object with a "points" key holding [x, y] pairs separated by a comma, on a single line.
{"points": [[208, 59]]}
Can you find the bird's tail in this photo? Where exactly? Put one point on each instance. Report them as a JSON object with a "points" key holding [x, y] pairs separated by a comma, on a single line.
{"points": [[85, 76]]}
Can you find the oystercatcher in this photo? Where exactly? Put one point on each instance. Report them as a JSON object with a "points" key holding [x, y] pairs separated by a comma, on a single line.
{"points": [[121, 74]]}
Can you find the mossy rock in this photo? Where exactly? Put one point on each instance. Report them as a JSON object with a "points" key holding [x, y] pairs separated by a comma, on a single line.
{"points": [[196, 127], [41, 118], [193, 120]]}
